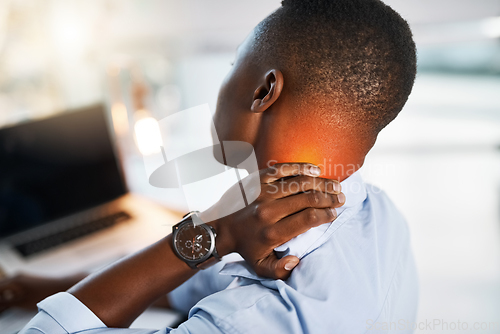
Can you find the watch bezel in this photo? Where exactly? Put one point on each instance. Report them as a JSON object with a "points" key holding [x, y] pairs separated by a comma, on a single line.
{"points": [[193, 263]]}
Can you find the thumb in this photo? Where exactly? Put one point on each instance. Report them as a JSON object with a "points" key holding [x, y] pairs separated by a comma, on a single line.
{"points": [[272, 267]]}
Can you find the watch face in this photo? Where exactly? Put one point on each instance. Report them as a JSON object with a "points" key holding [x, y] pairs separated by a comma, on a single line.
{"points": [[193, 242]]}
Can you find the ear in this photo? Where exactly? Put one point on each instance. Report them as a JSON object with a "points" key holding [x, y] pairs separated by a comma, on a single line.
{"points": [[267, 93]]}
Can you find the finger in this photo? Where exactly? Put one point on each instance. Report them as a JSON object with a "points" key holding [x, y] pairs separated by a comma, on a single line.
{"points": [[273, 211], [281, 170], [298, 223], [303, 183], [275, 268], [290, 205]]}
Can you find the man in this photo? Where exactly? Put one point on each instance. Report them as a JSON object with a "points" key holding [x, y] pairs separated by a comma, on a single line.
{"points": [[315, 81]]}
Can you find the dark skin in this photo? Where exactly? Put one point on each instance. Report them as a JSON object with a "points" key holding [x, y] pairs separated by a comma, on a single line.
{"points": [[121, 292], [147, 276], [258, 105], [251, 102], [25, 291]]}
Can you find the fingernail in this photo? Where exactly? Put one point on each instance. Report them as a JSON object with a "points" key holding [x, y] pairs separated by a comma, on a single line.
{"points": [[290, 265], [341, 198], [337, 187], [334, 212], [314, 170]]}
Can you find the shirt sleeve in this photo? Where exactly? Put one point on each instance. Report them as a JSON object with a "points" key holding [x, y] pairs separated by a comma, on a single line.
{"points": [[63, 313], [228, 311], [201, 285], [247, 308]]}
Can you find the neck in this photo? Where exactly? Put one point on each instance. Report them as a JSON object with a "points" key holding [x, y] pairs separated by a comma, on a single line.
{"points": [[332, 167], [291, 133], [337, 159]]}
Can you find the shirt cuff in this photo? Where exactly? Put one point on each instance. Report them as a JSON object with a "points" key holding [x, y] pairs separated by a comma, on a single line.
{"points": [[70, 313]]}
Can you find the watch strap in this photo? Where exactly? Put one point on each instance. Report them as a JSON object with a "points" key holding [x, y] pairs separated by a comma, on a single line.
{"points": [[207, 263]]}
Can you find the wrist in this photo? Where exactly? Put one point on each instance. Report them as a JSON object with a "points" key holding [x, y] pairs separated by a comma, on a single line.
{"points": [[224, 242]]}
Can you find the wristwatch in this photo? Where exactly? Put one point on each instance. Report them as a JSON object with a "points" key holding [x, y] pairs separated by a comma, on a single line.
{"points": [[194, 242]]}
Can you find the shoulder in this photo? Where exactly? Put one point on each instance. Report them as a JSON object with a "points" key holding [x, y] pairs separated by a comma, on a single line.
{"points": [[340, 286], [372, 239], [360, 270], [380, 217], [251, 307]]}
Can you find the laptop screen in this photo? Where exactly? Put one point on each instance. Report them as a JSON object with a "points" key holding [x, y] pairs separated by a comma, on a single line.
{"points": [[55, 167]]}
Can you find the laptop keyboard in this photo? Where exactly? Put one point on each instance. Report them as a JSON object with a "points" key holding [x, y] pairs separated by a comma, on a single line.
{"points": [[72, 233]]}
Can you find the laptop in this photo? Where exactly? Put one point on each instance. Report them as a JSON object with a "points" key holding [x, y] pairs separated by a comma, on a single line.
{"points": [[64, 204]]}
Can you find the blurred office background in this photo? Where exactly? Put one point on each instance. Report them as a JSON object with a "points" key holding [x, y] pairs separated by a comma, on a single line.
{"points": [[439, 161]]}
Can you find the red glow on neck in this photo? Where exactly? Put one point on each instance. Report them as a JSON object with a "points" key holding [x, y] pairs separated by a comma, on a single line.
{"points": [[284, 138], [334, 164]]}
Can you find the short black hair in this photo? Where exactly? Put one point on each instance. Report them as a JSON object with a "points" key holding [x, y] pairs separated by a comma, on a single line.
{"points": [[356, 55]]}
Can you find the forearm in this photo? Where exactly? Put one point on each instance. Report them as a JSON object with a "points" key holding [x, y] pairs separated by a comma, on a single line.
{"points": [[67, 282], [162, 302], [121, 292]]}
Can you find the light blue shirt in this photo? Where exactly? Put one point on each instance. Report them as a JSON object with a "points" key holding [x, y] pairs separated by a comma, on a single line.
{"points": [[356, 275]]}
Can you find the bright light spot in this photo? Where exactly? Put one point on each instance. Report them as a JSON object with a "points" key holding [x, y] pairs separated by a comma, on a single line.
{"points": [[70, 31], [120, 118], [148, 136], [491, 27]]}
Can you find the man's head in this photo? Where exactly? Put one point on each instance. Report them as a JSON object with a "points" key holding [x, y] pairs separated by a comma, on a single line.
{"points": [[316, 81]]}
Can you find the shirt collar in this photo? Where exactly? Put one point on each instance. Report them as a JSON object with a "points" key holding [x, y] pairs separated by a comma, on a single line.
{"points": [[355, 192]]}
